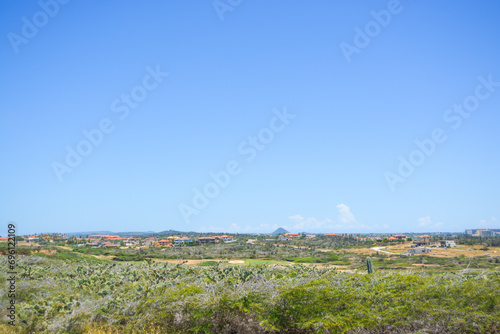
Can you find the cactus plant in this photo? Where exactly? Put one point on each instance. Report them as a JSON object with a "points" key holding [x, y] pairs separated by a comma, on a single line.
{"points": [[369, 265]]}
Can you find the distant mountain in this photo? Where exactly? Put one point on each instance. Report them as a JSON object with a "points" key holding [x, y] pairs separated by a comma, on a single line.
{"points": [[135, 234], [279, 231], [172, 232], [123, 234]]}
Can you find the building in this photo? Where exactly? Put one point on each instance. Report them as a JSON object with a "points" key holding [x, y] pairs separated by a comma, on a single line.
{"points": [[482, 232], [109, 244], [448, 243], [310, 236], [207, 240], [113, 238], [98, 236], [486, 233], [183, 240], [423, 240], [149, 241], [163, 243], [413, 251], [291, 235]]}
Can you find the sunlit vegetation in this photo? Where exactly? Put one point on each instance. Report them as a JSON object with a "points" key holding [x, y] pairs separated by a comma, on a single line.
{"points": [[70, 292]]}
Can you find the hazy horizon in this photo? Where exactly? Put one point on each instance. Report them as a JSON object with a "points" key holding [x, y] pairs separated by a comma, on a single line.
{"points": [[258, 232], [371, 117]]}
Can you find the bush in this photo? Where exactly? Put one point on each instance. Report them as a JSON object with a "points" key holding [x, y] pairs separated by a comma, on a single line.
{"points": [[308, 259], [128, 257], [208, 263]]}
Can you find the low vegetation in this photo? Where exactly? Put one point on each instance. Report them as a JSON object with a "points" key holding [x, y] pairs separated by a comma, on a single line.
{"points": [[70, 292]]}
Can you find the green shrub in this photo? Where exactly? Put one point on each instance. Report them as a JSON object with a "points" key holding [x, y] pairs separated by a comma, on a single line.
{"points": [[208, 263]]}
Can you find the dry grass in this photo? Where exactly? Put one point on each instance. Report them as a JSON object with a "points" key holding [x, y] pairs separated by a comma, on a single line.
{"points": [[436, 251]]}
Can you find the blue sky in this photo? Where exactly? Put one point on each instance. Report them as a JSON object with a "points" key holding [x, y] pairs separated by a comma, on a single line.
{"points": [[333, 93]]}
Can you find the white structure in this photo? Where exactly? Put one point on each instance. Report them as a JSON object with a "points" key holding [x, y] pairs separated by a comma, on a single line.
{"points": [[413, 251], [448, 243]]}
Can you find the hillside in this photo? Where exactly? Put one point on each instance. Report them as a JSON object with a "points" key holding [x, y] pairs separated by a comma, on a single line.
{"points": [[279, 231]]}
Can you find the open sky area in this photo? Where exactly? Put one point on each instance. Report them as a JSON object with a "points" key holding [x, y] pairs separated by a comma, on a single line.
{"points": [[243, 116]]}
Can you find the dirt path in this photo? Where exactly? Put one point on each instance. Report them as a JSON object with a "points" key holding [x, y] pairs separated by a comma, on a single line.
{"points": [[307, 247], [379, 249], [65, 247]]}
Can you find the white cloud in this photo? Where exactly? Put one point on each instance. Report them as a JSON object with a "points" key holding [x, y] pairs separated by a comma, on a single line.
{"points": [[302, 223], [235, 228], [489, 223], [424, 221], [345, 214], [427, 223], [296, 218], [210, 228], [347, 223]]}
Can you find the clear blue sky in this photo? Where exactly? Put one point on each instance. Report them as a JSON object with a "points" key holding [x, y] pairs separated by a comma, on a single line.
{"points": [[355, 114]]}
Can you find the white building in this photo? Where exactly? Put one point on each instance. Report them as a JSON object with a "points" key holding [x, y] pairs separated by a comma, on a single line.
{"points": [[448, 243], [413, 251]]}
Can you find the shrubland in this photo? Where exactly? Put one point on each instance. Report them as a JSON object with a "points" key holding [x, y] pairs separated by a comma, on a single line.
{"points": [[69, 292]]}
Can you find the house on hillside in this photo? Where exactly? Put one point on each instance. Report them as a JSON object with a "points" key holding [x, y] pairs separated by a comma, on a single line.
{"points": [[109, 245], [163, 243], [207, 240], [98, 236], [183, 240], [149, 241], [113, 237], [310, 236], [291, 235]]}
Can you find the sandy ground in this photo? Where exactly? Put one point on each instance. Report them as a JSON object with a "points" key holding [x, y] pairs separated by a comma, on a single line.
{"points": [[45, 251], [106, 257], [468, 251], [436, 251], [189, 262], [363, 251]]}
